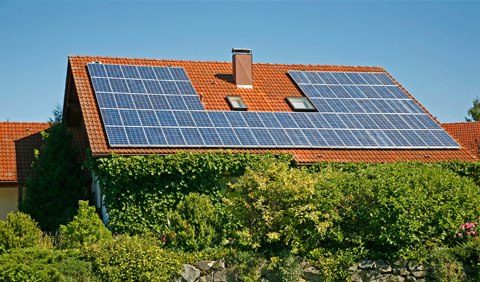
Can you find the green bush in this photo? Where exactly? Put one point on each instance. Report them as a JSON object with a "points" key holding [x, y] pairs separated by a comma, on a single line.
{"points": [[76, 269], [193, 224], [280, 207], [19, 231], [133, 259], [446, 266], [32, 264], [245, 265], [403, 208], [140, 190], [86, 228]]}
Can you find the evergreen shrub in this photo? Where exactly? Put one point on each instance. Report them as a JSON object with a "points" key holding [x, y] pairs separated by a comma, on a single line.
{"points": [[86, 228], [133, 259], [19, 231]]}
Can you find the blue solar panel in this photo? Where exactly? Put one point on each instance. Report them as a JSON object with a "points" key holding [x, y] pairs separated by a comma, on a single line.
{"points": [[235, 119], [111, 117], [169, 87], [269, 120], [350, 121], [352, 106], [366, 121], [174, 136], [263, 137], [339, 91], [381, 138], [218, 119], [383, 92], [314, 138], [136, 136], [148, 118], [337, 106], [155, 136], [397, 121], [429, 138], [192, 136], [106, 100], [176, 102], [245, 136], [193, 103], [413, 122], [322, 106], [97, 70], [146, 72], [210, 136], [334, 121], [114, 71], [381, 121], [228, 136], [130, 118], [166, 118], [413, 107], [142, 101], [153, 87], [184, 118], [186, 88], [124, 101], [354, 91], [327, 77], [413, 138], [159, 102], [201, 119], [314, 78], [428, 122], [101, 84], [331, 138], [324, 91], [356, 78], [302, 120], [252, 119], [364, 138], [382, 106], [179, 74], [342, 78], [370, 78], [398, 92], [318, 120], [116, 136], [118, 85], [368, 106], [348, 138], [398, 106], [298, 76], [163, 73], [130, 72], [280, 137], [397, 138], [135, 86], [310, 90], [297, 137], [369, 91], [286, 120], [446, 139], [384, 79]]}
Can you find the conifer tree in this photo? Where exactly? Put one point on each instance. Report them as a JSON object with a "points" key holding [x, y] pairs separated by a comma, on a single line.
{"points": [[52, 192], [474, 111]]}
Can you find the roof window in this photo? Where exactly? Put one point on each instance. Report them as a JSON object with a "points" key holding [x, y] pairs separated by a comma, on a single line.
{"points": [[236, 103], [300, 104]]}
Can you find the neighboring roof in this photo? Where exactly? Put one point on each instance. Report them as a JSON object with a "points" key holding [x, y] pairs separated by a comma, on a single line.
{"points": [[213, 81], [17, 144], [466, 133]]}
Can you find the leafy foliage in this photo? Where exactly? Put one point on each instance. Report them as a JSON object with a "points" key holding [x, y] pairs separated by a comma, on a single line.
{"points": [[58, 183], [140, 190], [474, 111], [245, 265], [447, 267], [19, 231], [280, 207], [32, 264], [76, 269], [86, 228], [193, 224], [133, 259]]}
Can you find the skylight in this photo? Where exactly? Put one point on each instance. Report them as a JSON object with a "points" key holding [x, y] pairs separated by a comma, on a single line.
{"points": [[237, 103], [300, 104]]}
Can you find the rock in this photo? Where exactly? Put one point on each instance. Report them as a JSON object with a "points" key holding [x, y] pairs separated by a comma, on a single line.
{"points": [[219, 265], [424, 267], [356, 277], [353, 268], [220, 276], [202, 279], [400, 271], [398, 278], [381, 266], [312, 274], [420, 274], [263, 279], [302, 262], [411, 278], [369, 275], [177, 278], [204, 265], [366, 264], [399, 262], [413, 266], [190, 273]]}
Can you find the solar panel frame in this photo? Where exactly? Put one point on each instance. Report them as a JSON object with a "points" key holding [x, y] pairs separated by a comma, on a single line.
{"points": [[210, 137], [263, 137], [281, 138], [228, 137], [192, 136], [184, 118], [269, 120], [315, 139], [116, 136], [155, 136], [321, 105], [130, 72], [285, 120], [348, 138], [148, 118], [218, 119], [331, 138], [245, 136], [130, 117], [297, 138], [136, 136], [318, 120], [159, 102]]}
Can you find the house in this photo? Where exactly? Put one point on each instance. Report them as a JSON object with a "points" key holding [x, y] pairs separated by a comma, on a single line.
{"points": [[314, 112], [18, 142], [467, 134]]}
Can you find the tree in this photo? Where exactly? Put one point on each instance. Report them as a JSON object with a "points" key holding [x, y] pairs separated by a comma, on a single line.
{"points": [[52, 192], [474, 111], [57, 115]]}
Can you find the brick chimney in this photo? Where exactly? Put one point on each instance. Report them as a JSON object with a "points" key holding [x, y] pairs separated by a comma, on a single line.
{"points": [[242, 67]]}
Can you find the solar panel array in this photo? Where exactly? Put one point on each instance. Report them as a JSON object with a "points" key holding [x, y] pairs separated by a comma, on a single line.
{"points": [[143, 106]]}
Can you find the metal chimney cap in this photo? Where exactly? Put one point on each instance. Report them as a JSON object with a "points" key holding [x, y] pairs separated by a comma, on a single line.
{"points": [[241, 50]]}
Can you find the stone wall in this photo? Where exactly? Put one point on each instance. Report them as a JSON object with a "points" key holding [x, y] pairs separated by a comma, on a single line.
{"points": [[366, 270]]}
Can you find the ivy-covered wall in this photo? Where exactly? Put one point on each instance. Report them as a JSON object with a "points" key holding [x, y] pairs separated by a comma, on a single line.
{"points": [[139, 191]]}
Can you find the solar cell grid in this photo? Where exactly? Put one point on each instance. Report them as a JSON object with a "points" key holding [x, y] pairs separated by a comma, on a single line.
{"points": [[141, 101], [322, 106], [169, 87], [297, 137], [397, 138], [111, 117], [350, 121], [443, 137], [153, 87], [339, 91], [185, 88], [228, 136], [398, 122], [118, 85], [116, 136], [331, 138], [245, 136], [210, 136], [178, 73], [166, 118], [428, 122], [384, 79], [366, 121], [146, 72], [383, 92], [184, 118], [176, 102], [148, 118], [298, 76], [369, 91], [348, 138], [193, 103], [314, 138], [324, 91], [334, 121], [97, 70], [114, 71], [356, 78], [337, 106], [412, 121], [310, 90], [162, 73], [368, 106], [136, 136], [368, 77], [106, 100], [352, 106], [218, 119], [252, 119], [342, 78], [235, 119], [381, 121], [413, 138], [395, 90], [354, 91], [155, 136], [280, 137], [317, 120], [301, 120], [130, 72], [364, 138], [192, 136], [286, 120], [381, 138], [159, 102], [269, 120], [428, 138], [313, 78], [101, 84], [174, 136], [130, 118], [327, 77], [201, 119], [263, 137], [382, 106]]}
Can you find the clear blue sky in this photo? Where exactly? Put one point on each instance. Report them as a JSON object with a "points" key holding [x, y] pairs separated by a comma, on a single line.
{"points": [[432, 48]]}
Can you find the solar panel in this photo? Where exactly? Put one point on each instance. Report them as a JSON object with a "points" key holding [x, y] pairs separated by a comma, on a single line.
{"points": [[158, 107]]}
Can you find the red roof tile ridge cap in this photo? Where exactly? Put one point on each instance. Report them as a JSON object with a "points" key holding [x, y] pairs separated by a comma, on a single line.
{"points": [[462, 122], [25, 123]]}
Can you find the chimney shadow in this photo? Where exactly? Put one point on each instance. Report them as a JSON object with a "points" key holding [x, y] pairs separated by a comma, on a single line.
{"points": [[25, 154], [227, 77]]}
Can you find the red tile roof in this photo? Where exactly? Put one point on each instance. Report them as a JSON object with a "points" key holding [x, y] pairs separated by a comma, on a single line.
{"points": [[213, 81], [467, 134], [17, 144]]}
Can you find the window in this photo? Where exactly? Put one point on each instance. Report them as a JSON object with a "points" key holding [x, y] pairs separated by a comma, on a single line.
{"points": [[300, 104], [236, 103]]}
